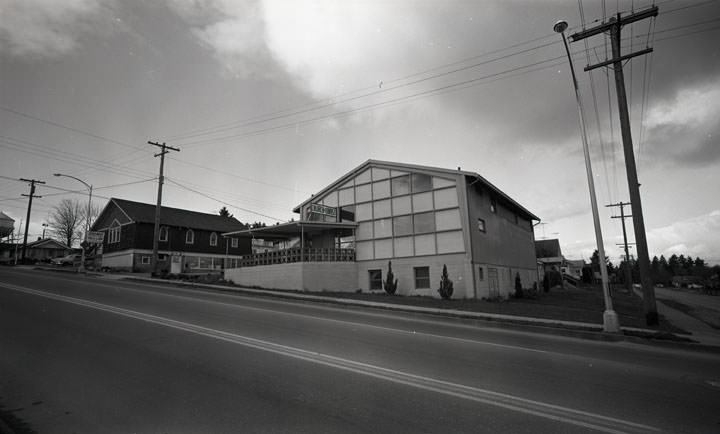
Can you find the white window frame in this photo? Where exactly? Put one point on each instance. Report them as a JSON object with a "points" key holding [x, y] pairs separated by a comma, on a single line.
{"points": [[163, 231], [213, 239], [114, 234], [190, 237], [234, 243]]}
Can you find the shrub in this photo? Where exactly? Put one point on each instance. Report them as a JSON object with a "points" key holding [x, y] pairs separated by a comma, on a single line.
{"points": [[518, 286], [389, 285], [446, 285]]}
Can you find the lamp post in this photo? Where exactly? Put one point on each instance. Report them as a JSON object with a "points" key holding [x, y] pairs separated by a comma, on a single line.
{"points": [[81, 268], [610, 318]]}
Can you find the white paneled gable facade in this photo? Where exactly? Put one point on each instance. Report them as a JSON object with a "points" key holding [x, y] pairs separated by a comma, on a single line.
{"points": [[399, 213]]}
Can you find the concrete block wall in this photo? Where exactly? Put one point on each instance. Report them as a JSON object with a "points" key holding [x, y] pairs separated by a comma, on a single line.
{"points": [[303, 276], [334, 276], [403, 269], [278, 276], [118, 260], [506, 279]]}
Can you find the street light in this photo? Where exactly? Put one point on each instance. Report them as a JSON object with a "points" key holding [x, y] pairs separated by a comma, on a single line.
{"points": [[81, 268], [610, 318]]}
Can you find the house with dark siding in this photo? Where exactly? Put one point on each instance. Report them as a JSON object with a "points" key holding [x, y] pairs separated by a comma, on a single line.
{"points": [[189, 241]]}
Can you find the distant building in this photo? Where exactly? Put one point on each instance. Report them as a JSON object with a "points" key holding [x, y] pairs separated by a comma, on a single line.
{"points": [[43, 249], [188, 241], [418, 217], [549, 255], [7, 225]]}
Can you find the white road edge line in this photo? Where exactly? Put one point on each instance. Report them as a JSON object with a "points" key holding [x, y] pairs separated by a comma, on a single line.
{"points": [[390, 329], [548, 411]]}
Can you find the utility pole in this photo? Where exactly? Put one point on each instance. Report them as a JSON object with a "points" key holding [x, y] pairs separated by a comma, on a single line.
{"points": [[27, 219], [156, 233], [614, 26], [628, 272]]}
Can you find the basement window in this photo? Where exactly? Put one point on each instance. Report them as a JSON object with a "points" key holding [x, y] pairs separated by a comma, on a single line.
{"points": [[375, 277], [422, 277]]}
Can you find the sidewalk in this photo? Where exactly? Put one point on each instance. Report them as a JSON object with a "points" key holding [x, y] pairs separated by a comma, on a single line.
{"points": [[700, 331]]}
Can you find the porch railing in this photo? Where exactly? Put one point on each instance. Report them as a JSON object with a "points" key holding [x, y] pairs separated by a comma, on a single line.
{"points": [[293, 255]]}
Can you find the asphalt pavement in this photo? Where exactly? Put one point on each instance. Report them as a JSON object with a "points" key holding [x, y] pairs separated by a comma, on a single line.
{"points": [[85, 354]]}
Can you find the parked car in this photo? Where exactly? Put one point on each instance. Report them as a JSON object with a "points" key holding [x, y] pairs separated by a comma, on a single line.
{"points": [[68, 260]]}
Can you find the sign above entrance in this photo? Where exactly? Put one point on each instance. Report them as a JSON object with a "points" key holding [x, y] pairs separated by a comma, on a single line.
{"points": [[316, 208]]}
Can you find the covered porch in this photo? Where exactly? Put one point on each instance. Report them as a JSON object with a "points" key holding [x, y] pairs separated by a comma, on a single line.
{"points": [[308, 255], [299, 241]]}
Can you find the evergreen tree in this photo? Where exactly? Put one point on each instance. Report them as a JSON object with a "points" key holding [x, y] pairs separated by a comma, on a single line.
{"points": [[674, 265], [224, 212]]}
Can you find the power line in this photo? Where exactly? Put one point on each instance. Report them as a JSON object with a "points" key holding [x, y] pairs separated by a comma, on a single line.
{"points": [[223, 202], [369, 94], [66, 156], [335, 101], [374, 105], [76, 130]]}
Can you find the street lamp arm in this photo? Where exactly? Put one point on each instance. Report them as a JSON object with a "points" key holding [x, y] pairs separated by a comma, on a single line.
{"points": [[77, 179]]}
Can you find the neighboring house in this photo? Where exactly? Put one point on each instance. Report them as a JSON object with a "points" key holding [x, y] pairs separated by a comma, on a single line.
{"points": [[418, 217], [549, 256], [7, 225], [188, 241], [574, 267], [42, 249]]}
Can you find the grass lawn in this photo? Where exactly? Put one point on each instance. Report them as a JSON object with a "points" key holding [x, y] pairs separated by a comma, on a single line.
{"points": [[584, 304]]}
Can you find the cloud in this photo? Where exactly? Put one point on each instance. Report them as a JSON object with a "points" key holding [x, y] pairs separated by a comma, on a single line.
{"points": [[686, 127], [697, 236], [46, 28], [234, 31]]}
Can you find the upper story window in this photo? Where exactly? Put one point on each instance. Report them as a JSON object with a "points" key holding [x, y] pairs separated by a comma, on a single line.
{"points": [[234, 243], [163, 236], [493, 205], [189, 237], [114, 233], [213, 239]]}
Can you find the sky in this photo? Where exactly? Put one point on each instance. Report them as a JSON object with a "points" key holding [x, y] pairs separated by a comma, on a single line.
{"points": [[270, 101]]}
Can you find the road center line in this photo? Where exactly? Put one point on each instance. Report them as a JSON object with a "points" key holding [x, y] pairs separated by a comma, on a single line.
{"points": [[344, 322], [548, 411]]}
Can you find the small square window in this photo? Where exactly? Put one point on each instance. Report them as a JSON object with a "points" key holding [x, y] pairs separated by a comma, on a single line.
{"points": [[375, 279], [145, 260], [422, 277], [162, 257], [481, 225]]}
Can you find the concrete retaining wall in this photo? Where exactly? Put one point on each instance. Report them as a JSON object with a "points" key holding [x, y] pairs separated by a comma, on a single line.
{"points": [[308, 276]]}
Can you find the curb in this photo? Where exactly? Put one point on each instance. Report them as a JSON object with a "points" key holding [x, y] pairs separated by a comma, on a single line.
{"points": [[581, 330]]}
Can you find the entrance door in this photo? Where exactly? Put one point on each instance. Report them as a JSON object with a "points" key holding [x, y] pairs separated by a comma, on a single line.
{"points": [[176, 264], [494, 288]]}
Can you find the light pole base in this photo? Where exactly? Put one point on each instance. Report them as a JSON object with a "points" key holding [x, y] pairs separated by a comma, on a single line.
{"points": [[611, 324]]}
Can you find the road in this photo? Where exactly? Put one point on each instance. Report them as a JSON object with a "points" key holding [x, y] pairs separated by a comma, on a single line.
{"points": [[86, 355]]}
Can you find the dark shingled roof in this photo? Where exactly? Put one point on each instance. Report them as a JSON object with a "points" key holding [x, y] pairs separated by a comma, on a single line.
{"points": [[547, 248], [145, 213]]}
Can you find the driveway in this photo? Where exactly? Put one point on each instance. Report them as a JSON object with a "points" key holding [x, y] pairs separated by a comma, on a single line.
{"points": [[702, 307]]}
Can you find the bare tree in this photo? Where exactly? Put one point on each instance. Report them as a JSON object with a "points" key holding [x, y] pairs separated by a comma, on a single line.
{"points": [[94, 213], [66, 219]]}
